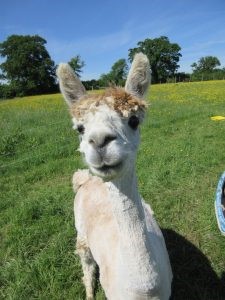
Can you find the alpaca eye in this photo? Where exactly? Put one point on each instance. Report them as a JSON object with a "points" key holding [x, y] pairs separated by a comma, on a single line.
{"points": [[80, 128], [133, 122]]}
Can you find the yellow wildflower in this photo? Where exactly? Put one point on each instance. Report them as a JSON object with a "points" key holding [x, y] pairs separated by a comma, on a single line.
{"points": [[218, 118]]}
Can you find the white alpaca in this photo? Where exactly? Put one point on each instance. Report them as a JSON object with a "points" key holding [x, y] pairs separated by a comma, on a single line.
{"points": [[115, 228]]}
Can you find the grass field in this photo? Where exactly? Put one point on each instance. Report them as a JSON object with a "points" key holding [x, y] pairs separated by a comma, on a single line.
{"points": [[181, 158]]}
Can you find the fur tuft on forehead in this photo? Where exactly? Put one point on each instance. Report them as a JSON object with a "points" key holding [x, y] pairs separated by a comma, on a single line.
{"points": [[115, 98]]}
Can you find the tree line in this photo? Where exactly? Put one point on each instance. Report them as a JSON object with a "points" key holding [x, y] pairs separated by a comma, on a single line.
{"points": [[29, 70]]}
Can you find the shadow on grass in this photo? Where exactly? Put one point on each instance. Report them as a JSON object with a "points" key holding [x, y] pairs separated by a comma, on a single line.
{"points": [[194, 278]]}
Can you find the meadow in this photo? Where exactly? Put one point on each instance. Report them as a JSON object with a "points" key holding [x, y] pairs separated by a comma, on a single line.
{"points": [[181, 158]]}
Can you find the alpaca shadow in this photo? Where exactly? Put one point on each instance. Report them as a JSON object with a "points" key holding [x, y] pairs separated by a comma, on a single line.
{"points": [[193, 276]]}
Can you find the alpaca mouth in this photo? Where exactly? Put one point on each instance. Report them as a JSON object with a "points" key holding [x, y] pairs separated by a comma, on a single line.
{"points": [[106, 167], [108, 170]]}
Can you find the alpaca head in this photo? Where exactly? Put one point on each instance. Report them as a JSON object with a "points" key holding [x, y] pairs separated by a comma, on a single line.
{"points": [[108, 123]]}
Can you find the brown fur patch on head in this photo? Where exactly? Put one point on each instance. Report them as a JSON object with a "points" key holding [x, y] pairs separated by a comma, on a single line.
{"points": [[116, 98]]}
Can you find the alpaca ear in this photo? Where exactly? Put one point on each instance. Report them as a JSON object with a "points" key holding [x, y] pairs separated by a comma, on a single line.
{"points": [[139, 76], [70, 85]]}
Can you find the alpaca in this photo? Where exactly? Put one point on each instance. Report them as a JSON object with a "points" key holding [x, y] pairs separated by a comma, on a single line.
{"points": [[116, 229]]}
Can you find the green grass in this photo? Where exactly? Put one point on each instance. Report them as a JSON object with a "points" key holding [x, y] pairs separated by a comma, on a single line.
{"points": [[181, 158]]}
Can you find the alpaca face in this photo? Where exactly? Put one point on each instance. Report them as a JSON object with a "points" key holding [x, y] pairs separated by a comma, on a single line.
{"points": [[108, 124], [108, 141]]}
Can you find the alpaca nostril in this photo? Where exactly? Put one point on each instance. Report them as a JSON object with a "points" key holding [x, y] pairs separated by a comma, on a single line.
{"points": [[91, 141], [101, 142], [108, 139]]}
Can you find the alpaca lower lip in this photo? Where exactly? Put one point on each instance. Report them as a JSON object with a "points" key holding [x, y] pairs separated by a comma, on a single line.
{"points": [[106, 168]]}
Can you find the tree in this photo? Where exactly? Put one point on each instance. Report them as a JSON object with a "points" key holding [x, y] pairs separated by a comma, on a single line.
{"points": [[206, 64], [92, 84], [117, 74], [77, 64], [28, 67], [119, 71], [206, 69], [105, 80], [163, 56]]}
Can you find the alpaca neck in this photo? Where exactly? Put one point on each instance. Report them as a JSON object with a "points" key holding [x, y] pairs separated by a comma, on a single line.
{"points": [[135, 249]]}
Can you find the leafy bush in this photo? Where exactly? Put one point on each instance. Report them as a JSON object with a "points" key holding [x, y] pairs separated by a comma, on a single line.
{"points": [[7, 91]]}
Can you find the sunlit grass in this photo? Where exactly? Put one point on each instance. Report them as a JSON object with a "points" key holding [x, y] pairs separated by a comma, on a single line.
{"points": [[179, 163], [200, 92]]}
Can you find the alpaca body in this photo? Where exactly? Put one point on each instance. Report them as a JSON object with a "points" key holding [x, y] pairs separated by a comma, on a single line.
{"points": [[138, 267], [115, 229]]}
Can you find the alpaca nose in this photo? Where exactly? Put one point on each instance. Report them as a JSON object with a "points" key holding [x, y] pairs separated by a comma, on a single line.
{"points": [[100, 140]]}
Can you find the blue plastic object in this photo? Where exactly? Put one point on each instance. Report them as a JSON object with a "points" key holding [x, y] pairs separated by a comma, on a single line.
{"points": [[220, 204]]}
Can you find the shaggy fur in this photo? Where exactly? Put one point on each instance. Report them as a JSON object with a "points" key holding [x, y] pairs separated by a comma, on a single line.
{"points": [[115, 98]]}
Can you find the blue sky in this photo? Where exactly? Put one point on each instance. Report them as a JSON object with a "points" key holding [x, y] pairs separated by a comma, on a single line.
{"points": [[101, 32]]}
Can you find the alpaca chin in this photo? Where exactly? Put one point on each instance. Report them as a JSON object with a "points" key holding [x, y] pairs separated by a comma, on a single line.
{"points": [[108, 172]]}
